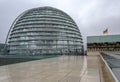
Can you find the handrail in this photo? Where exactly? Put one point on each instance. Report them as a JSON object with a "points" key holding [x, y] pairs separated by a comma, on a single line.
{"points": [[114, 77]]}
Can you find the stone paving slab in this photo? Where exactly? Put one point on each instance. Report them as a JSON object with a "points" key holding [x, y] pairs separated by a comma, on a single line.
{"points": [[59, 69]]}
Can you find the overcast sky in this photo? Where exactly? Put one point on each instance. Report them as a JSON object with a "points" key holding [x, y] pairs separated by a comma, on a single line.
{"points": [[91, 16]]}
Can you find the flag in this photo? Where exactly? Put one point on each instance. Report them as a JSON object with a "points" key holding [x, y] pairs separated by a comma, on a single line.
{"points": [[105, 31]]}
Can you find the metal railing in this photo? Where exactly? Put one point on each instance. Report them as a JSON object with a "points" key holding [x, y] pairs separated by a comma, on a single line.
{"points": [[109, 70]]}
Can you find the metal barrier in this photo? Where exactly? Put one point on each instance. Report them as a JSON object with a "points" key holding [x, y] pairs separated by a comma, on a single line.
{"points": [[110, 77]]}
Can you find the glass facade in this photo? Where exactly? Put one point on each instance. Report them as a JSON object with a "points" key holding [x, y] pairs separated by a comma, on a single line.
{"points": [[44, 30]]}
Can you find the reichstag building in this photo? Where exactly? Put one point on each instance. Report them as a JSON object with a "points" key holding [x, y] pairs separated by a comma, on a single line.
{"points": [[44, 30]]}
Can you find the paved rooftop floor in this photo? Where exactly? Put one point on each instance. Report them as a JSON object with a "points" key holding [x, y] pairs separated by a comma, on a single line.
{"points": [[59, 69]]}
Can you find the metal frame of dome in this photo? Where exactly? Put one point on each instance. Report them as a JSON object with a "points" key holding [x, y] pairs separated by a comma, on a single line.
{"points": [[66, 38]]}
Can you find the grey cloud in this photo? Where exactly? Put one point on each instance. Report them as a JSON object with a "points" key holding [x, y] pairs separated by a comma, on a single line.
{"points": [[92, 16]]}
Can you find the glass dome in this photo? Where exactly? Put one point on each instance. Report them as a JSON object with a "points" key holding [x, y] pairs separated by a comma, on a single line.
{"points": [[44, 30]]}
